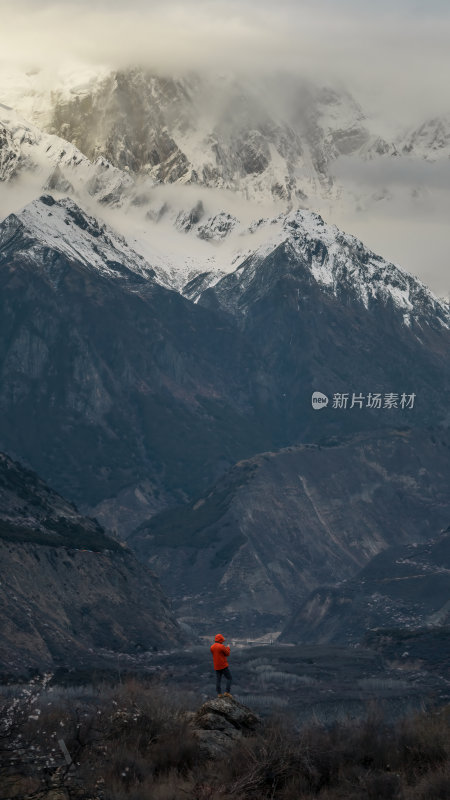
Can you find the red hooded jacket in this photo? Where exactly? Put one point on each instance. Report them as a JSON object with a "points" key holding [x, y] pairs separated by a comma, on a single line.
{"points": [[220, 652]]}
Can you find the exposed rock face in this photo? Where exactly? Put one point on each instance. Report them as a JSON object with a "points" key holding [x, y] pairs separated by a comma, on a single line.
{"points": [[50, 163], [273, 137], [404, 587], [279, 524], [220, 723], [59, 605], [67, 589]]}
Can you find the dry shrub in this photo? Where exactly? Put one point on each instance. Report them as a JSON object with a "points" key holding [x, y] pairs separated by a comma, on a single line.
{"points": [[135, 744], [177, 750], [117, 790], [266, 764], [422, 743], [382, 786], [435, 786]]}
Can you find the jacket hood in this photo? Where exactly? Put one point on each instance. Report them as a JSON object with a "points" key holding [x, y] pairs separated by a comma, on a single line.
{"points": [[219, 638]]}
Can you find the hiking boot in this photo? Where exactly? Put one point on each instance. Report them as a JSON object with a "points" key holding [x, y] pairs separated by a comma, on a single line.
{"points": [[227, 694]]}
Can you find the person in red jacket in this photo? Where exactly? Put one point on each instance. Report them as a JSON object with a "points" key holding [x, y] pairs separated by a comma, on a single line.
{"points": [[220, 653]]}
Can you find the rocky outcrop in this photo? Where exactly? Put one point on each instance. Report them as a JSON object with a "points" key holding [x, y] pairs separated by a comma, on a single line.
{"points": [[220, 724]]}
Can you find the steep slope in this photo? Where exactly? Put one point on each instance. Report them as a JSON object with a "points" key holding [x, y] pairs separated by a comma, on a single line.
{"points": [[282, 523], [67, 589], [404, 587], [50, 162], [327, 314], [163, 398]]}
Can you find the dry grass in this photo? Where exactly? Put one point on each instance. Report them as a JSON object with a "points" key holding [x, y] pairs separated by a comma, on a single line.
{"points": [[133, 743]]}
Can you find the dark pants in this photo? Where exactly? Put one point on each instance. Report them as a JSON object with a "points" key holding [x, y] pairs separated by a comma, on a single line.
{"points": [[226, 672]]}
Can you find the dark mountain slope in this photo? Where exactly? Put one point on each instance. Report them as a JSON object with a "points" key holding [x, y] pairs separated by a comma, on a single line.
{"points": [[129, 397], [66, 588], [107, 378], [279, 524], [326, 314], [403, 587]]}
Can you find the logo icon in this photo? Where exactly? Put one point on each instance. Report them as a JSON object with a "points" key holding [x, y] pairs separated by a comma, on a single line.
{"points": [[319, 401]]}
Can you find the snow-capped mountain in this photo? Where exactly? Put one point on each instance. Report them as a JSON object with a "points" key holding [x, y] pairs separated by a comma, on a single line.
{"points": [[338, 262], [169, 303], [191, 154], [273, 138], [236, 360], [130, 397], [430, 141], [66, 230], [48, 162]]}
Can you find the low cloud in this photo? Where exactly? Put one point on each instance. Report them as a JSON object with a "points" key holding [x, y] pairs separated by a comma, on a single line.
{"points": [[395, 172], [400, 208], [395, 57]]}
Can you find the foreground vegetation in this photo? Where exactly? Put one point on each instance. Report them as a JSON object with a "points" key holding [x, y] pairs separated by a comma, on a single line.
{"points": [[134, 741]]}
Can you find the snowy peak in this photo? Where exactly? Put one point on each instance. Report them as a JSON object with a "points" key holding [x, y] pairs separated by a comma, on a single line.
{"points": [[62, 227], [341, 265], [430, 141], [272, 138], [53, 163], [238, 256]]}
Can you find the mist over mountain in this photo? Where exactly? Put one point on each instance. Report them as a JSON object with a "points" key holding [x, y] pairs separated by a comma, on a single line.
{"points": [[233, 141]]}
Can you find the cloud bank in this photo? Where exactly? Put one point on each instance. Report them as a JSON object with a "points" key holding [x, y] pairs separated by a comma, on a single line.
{"points": [[393, 56]]}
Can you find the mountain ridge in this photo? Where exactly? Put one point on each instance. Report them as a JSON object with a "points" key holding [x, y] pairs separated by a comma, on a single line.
{"points": [[256, 543], [403, 588]]}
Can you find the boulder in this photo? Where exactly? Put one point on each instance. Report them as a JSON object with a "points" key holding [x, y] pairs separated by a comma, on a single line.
{"points": [[220, 723]]}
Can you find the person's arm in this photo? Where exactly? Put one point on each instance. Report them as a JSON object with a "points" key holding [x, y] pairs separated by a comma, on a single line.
{"points": [[226, 649]]}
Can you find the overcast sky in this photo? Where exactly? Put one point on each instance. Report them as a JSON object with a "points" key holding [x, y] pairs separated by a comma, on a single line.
{"points": [[393, 55]]}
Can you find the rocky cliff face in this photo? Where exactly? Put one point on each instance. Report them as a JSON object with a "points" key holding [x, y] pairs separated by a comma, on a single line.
{"points": [[67, 589], [272, 138], [282, 523], [50, 162], [404, 588]]}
